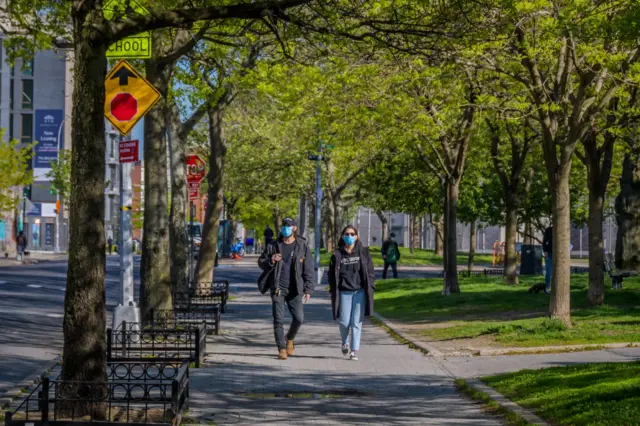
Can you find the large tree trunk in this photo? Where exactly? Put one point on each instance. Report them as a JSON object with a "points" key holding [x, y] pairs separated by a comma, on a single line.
{"points": [[178, 239], [451, 238], [208, 247], [155, 271], [472, 243], [560, 306], [528, 234], [596, 248], [84, 348], [628, 214], [438, 226], [415, 232], [337, 218], [511, 228], [383, 224]]}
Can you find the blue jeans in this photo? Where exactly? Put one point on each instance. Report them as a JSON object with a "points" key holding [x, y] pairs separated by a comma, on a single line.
{"points": [[351, 316], [548, 267]]}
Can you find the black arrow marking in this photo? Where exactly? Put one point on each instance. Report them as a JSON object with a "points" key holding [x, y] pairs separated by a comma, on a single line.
{"points": [[124, 74]]}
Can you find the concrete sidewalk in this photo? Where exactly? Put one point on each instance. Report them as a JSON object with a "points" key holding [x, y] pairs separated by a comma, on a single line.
{"points": [[390, 385]]}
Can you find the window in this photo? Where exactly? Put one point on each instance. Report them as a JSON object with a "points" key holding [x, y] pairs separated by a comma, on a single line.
{"points": [[27, 128], [27, 67], [27, 94], [11, 134], [11, 103]]}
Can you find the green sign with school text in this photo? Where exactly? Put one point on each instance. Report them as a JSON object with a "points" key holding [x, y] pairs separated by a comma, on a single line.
{"points": [[137, 46]]}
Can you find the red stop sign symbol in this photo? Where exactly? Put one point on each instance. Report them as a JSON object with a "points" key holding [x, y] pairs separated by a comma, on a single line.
{"points": [[124, 107]]}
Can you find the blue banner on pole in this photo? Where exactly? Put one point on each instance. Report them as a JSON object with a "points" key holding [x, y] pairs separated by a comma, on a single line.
{"points": [[49, 135]]}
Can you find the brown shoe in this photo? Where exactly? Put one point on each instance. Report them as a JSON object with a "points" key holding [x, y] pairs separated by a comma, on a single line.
{"points": [[282, 354], [290, 347]]}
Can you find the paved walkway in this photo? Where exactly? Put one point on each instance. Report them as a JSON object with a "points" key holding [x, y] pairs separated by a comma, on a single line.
{"points": [[390, 385]]}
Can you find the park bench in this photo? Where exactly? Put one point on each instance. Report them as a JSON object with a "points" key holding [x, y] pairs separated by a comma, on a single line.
{"points": [[131, 341], [616, 276], [214, 292], [155, 394], [579, 270]]}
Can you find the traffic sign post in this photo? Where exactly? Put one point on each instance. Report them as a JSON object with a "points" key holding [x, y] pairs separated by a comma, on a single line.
{"points": [[129, 96], [196, 171], [137, 46]]}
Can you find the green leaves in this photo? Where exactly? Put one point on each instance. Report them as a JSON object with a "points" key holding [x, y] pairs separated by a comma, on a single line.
{"points": [[60, 174], [14, 172]]}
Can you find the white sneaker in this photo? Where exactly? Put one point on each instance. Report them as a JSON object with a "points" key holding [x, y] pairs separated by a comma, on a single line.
{"points": [[353, 356]]}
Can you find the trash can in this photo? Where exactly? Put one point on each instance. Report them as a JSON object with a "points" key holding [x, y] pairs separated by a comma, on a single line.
{"points": [[531, 257]]}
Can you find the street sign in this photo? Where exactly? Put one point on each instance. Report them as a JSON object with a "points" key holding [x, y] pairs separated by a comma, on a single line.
{"points": [[129, 96], [196, 169], [194, 190], [137, 46], [129, 151]]}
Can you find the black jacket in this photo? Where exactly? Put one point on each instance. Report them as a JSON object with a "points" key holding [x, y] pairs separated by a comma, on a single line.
{"points": [[303, 266], [385, 248], [368, 277], [547, 240]]}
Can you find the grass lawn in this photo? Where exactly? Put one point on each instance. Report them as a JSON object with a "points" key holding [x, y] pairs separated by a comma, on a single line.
{"points": [[417, 258], [591, 394], [509, 315]]}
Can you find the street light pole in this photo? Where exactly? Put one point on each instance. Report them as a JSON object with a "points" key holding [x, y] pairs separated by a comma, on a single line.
{"points": [[56, 249], [317, 228]]}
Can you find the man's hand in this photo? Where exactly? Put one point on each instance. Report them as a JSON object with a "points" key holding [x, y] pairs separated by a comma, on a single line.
{"points": [[276, 258], [306, 298]]}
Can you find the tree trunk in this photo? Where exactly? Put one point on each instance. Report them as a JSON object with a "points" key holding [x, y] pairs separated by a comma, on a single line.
{"points": [[438, 226], [560, 306], [155, 271], [84, 348], [528, 233], [596, 248], [628, 214], [415, 232], [337, 218], [511, 230], [472, 243], [178, 239], [451, 238], [277, 221], [209, 245], [383, 224]]}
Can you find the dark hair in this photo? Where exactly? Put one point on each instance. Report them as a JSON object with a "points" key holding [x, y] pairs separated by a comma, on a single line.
{"points": [[341, 243]]}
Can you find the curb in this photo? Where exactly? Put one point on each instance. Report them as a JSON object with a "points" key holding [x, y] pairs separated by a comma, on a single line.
{"points": [[428, 350], [32, 379], [556, 349], [506, 403]]}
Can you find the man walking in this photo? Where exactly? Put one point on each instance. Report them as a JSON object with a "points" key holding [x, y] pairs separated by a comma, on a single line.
{"points": [[289, 266], [391, 256], [21, 245], [268, 236], [110, 244], [547, 248]]}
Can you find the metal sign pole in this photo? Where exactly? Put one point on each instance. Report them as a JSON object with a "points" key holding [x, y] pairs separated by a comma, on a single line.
{"points": [[191, 248], [318, 223], [127, 310]]}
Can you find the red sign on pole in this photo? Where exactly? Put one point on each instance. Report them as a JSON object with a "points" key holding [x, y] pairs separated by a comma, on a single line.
{"points": [[129, 151], [196, 169], [194, 190]]}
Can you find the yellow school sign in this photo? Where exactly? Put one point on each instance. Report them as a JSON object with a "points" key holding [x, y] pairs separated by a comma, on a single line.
{"points": [[133, 47], [129, 96]]}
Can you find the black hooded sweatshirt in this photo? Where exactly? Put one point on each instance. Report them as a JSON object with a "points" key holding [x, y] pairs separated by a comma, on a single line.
{"points": [[350, 279]]}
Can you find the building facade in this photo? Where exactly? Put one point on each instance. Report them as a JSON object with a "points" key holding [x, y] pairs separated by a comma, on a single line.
{"points": [[35, 106]]}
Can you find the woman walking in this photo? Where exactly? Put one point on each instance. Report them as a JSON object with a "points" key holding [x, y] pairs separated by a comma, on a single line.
{"points": [[352, 283]]}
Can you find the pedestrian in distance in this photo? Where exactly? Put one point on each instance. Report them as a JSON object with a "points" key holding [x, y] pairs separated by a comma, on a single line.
{"points": [[21, 245], [547, 248], [351, 284], [391, 256], [289, 277], [110, 244], [268, 236]]}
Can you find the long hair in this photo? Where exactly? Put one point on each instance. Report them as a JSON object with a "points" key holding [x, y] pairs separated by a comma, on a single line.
{"points": [[341, 243]]}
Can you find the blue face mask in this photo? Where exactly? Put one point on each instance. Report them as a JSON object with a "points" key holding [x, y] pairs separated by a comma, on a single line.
{"points": [[287, 231], [350, 240]]}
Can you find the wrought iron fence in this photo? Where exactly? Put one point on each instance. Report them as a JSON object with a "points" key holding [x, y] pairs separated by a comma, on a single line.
{"points": [[194, 315], [133, 342], [134, 392], [206, 293]]}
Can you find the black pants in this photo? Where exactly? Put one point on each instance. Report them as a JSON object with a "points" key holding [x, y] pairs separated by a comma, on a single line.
{"points": [[294, 303], [394, 268]]}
